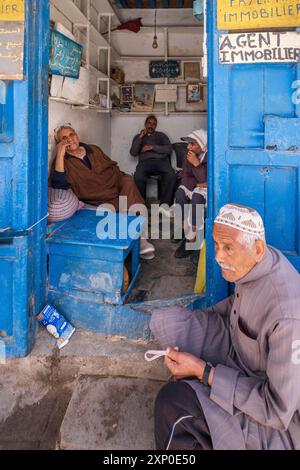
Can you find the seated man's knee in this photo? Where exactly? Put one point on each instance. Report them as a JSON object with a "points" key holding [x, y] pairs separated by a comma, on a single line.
{"points": [[162, 320], [171, 176], [198, 199], [180, 196], [170, 314], [139, 177], [170, 396]]}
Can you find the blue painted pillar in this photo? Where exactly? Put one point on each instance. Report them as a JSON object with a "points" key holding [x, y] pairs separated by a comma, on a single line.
{"points": [[216, 287], [23, 187]]}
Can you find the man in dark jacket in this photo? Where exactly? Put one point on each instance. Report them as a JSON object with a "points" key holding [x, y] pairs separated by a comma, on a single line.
{"points": [[154, 150], [193, 188]]}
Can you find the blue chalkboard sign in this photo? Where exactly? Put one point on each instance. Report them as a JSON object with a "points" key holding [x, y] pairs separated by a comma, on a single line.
{"points": [[65, 56]]}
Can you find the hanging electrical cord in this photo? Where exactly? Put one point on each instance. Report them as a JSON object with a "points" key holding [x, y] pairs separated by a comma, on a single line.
{"points": [[155, 43]]}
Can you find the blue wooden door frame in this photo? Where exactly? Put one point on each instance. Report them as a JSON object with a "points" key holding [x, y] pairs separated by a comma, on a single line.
{"points": [[216, 287], [24, 173], [271, 181]]}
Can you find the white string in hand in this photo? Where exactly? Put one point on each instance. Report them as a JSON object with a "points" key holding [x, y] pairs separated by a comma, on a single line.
{"points": [[154, 354]]}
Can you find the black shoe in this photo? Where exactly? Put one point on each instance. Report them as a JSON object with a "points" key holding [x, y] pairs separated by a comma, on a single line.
{"points": [[181, 252], [177, 240]]}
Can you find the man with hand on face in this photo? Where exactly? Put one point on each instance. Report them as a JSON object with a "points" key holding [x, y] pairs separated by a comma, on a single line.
{"points": [[193, 189], [238, 363], [154, 150]]}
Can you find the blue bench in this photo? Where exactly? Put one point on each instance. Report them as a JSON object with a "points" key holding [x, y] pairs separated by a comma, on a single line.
{"points": [[86, 277], [80, 263], [86, 274]]}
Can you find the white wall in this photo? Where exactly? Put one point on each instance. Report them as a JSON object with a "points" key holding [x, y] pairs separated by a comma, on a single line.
{"points": [[182, 41], [92, 127], [124, 127]]}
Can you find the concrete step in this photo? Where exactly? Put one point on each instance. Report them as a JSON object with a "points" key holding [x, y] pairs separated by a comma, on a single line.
{"points": [[35, 391], [110, 413], [95, 354]]}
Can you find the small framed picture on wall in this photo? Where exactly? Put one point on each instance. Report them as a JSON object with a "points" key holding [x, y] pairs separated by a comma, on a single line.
{"points": [[126, 93], [143, 97], [194, 93]]}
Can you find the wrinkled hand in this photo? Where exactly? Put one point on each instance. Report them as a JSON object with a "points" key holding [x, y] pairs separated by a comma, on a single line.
{"points": [[143, 133], [183, 364], [147, 148], [193, 159]]}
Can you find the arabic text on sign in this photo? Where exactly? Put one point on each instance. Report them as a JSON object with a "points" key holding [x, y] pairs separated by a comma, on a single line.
{"points": [[65, 56], [12, 57], [10, 31], [11, 50]]}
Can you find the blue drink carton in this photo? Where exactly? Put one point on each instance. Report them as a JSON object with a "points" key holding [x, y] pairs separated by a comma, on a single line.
{"points": [[56, 325]]}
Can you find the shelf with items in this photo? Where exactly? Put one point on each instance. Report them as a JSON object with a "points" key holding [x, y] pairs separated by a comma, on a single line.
{"points": [[92, 106], [66, 101], [187, 83], [146, 113], [97, 50], [160, 57], [185, 98]]}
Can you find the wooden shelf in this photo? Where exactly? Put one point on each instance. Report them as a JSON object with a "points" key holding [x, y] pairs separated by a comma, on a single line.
{"points": [[97, 38], [97, 72], [101, 75], [138, 113], [93, 107], [74, 14], [100, 41], [105, 8], [160, 57], [64, 100], [187, 83], [92, 37], [77, 105]]}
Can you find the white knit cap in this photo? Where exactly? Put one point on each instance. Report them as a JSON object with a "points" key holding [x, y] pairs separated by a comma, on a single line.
{"points": [[199, 136], [241, 218]]}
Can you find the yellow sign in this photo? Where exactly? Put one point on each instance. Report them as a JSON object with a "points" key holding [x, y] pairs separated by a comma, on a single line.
{"points": [[12, 10], [252, 14]]}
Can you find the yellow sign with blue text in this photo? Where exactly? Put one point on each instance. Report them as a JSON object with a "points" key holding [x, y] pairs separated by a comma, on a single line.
{"points": [[12, 10], [252, 14]]}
